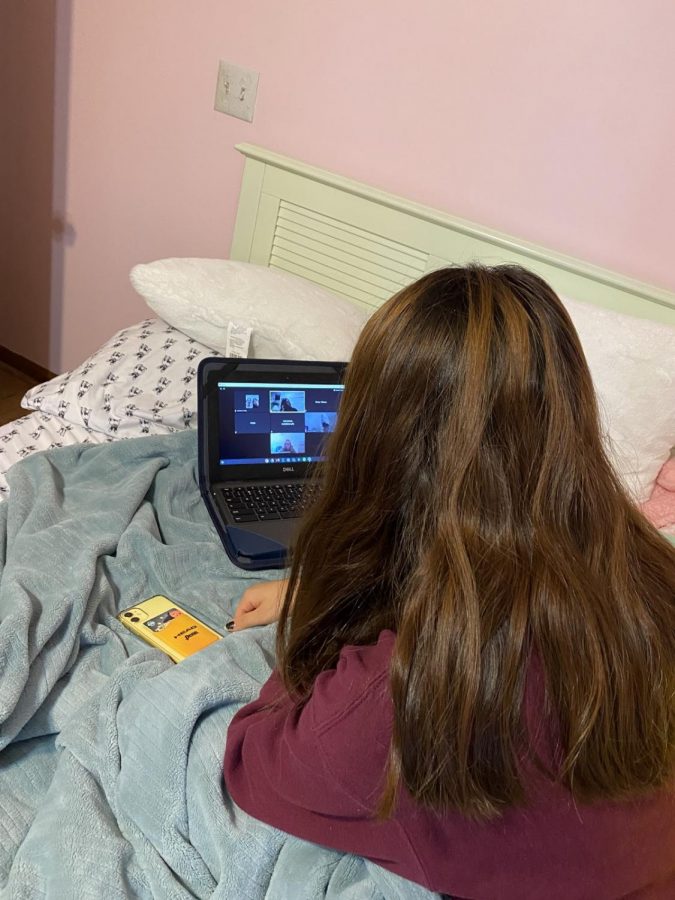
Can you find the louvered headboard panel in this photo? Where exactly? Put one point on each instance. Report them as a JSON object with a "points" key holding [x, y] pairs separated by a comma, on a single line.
{"points": [[366, 244], [352, 261]]}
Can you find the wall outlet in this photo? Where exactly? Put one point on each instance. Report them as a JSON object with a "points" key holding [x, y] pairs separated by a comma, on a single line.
{"points": [[235, 91]]}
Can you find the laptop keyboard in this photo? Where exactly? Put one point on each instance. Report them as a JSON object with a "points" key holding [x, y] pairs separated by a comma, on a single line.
{"points": [[257, 503]]}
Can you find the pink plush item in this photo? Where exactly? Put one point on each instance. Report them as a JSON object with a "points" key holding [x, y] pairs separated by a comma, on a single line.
{"points": [[660, 508], [666, 477]]}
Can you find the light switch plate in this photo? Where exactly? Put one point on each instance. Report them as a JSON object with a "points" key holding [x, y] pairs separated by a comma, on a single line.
{"points": [[236, 91]]}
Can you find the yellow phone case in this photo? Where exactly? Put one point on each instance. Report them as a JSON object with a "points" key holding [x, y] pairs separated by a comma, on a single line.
{"points": [[163, 624]]}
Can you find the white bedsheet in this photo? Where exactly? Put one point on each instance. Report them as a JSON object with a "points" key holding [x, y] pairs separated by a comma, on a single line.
{"points": [[39, 431]]}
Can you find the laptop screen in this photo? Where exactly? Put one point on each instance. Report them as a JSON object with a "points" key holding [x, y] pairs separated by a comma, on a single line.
{"points": [[262, 423]]}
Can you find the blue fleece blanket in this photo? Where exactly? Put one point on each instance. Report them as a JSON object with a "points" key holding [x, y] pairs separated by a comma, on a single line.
{"points": [[111, 756]]}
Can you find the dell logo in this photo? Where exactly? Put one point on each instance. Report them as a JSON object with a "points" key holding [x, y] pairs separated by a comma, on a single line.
{"points": [[288, 469]]}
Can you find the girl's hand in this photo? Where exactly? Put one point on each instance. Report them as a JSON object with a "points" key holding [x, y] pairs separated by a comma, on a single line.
{"points": [[259, 605]]}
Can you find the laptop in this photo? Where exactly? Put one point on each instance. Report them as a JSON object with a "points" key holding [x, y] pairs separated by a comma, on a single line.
{"points": [[262, 426]]}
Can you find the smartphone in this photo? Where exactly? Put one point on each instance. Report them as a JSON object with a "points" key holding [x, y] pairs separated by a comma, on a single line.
{"points": [[163, 624]]}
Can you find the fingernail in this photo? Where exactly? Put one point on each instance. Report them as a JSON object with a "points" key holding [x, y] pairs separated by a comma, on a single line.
{"points": [[230, 625]]}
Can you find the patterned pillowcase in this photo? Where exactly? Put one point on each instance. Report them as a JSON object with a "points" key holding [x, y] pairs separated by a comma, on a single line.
{"points": [[142, 381]]}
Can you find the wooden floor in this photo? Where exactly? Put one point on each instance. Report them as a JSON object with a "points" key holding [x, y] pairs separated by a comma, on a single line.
{"points": [[13, 385]]}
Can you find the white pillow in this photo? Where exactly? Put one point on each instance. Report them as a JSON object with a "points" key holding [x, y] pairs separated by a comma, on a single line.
{"points": [[141, 381], [291, 318], [632, 362]]}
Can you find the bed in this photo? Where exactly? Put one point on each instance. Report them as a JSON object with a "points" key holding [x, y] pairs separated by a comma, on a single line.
{"points": [[361, 244], [110, 756]]}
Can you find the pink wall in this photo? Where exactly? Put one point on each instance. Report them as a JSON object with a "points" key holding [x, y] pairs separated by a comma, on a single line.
{"points": [[548, 121]]}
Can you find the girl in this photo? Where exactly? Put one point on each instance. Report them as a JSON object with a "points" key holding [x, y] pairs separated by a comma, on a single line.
{"points": [[476, 644]]}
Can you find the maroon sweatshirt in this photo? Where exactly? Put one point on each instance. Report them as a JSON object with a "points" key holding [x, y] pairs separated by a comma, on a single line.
{"points": [[318, 773]]}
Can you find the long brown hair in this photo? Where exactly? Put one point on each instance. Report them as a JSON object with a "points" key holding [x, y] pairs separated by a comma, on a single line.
{"points": [[469, 506]]}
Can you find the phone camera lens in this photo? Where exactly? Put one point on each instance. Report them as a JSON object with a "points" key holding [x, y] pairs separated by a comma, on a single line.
{"points": [[135, 619], [127, 615]]}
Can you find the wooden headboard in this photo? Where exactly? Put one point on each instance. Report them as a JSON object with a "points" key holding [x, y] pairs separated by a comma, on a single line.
{"points": [[366, 244]]}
